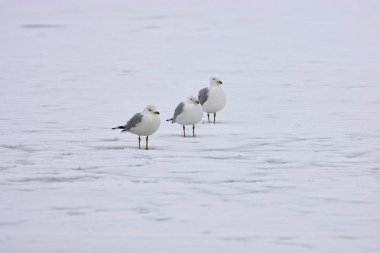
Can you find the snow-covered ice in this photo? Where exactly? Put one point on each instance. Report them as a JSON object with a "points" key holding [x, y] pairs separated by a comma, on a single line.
{"points": [[292, 164]]}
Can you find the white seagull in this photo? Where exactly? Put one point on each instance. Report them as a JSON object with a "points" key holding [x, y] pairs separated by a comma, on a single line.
{"points": [[212, 99], [143, 124], [188, 112]]}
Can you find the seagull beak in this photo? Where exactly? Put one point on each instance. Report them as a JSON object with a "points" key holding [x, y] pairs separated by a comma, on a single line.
{"points": [[197, 102], [157, 113], [220, 82]]}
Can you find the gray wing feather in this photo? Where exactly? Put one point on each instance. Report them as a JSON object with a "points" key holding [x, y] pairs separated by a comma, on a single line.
{"points": [[203, 95], [137, 118], [178, 110]]}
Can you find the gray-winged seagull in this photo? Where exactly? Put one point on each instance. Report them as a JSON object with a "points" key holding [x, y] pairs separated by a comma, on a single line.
{"points": [[212, 99], [188, 112], [143, 124]]}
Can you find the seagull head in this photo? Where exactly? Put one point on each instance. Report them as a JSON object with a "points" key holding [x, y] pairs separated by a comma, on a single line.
{"points": [[192, 100], [151, 109], [215, 81]]}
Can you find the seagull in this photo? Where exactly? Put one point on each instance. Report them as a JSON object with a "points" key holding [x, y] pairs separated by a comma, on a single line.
{"points": [[212, 99], [144, 123], [188, 112]]}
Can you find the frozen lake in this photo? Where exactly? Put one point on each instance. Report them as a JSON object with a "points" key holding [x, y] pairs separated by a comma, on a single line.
{"points": [[293, 164]]}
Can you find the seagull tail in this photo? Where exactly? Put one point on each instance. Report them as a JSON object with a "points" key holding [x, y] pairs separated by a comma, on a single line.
{"points": [[118, 127], [170, 120]]}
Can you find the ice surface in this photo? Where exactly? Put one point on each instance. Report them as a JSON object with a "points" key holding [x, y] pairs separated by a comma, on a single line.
{"points": [[291, 166]]}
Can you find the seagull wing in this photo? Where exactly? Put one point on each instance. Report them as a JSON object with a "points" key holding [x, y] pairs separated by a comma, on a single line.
{"points": [[203, 95], [137, 118], [178, 111]]}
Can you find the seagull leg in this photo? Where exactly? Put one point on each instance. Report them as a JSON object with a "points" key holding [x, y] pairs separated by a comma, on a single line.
{"points": [[139, 141], [146, 147], [184, 133], [208, 116], [193, 130], [214, 117]]}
